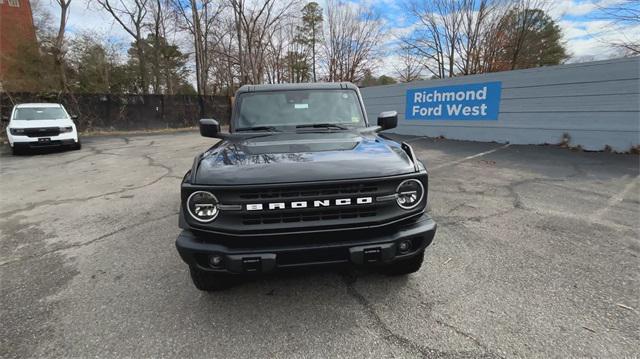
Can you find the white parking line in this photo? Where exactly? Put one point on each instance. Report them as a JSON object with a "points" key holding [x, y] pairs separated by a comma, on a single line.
{"points": [[615, 199], [448, 164], [416, 139]]}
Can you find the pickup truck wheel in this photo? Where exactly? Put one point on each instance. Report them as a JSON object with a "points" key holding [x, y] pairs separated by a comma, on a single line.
{"points": [[209, 281], [77, 145], [406, 266]]}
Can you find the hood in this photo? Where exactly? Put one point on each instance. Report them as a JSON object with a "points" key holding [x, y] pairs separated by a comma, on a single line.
{"points": [[63, 122], [300, 157]]}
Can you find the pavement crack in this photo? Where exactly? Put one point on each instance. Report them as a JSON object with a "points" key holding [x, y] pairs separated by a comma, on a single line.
{"points": [[387, 334], [396, 339], [35, 205], [466, 335], [86, 243], [154, 163], [151, 162]]}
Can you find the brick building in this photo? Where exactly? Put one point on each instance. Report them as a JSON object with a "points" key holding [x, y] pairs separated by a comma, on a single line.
{"points": [[16, 29]]}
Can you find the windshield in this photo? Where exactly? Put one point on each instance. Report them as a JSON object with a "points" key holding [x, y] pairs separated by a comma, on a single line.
{"points": [[39, 113], [299, 108]]}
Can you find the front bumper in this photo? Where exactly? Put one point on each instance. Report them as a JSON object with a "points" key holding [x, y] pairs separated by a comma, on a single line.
{"points": [[63, 139], [49, 144], [374, 249]]}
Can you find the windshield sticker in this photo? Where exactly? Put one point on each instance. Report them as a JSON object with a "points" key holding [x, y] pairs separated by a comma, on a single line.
{"points": [[299, 106]]}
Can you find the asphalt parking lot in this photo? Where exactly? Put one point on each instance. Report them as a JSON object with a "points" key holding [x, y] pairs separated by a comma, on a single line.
{"points": [[537, 254]]}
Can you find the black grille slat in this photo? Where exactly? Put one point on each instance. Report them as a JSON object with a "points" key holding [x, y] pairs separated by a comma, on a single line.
{"points": [[42, 132], [313, 215], [355, 189]]}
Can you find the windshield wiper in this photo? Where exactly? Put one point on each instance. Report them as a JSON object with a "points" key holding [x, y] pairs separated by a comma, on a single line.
{"points": [[258, 128], [322, 125]]}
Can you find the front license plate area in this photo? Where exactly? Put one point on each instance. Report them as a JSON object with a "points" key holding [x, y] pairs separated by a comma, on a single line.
{"points": [[44, 140]]}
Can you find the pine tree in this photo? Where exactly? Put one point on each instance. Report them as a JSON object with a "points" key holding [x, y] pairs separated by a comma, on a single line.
{"points": [[310, 33]]}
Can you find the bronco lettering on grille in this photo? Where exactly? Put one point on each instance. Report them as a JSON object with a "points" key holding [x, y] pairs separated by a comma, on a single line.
{"points": [[307, 204]]}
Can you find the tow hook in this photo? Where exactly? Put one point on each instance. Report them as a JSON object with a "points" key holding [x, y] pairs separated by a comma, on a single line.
{"points": [[372, 255], [251, 265], [379, 253], [254, 263]]}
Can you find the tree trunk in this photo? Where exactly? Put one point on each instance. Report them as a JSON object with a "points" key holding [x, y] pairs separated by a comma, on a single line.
{"points": [[142, 66]]}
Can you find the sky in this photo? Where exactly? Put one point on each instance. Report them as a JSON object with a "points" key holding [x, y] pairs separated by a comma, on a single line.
{"points": [[585, 34]]}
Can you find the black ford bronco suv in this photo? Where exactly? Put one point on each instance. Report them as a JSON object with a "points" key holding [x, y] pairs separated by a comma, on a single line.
{"points": [[302, 179]]}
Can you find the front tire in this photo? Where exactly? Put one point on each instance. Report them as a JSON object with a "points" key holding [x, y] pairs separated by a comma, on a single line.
{"points": [[406, 266], [77, 146], [16, 151], [209, 282]]}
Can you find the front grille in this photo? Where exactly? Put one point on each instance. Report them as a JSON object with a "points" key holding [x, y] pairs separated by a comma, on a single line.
{"points": [[262, 209], [315, 191], [42, 131], [308, 216]]}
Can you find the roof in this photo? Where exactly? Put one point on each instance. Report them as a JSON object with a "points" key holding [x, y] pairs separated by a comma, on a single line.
{"points": [[38, 105], [298, 86]]}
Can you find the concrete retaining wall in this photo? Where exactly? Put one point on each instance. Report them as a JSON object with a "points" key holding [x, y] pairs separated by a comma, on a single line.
{"points": [[596, 104]]}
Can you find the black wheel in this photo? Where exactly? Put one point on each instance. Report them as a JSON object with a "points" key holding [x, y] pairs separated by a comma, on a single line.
{"points": [[406, 266], [209, 281], [16, 151], [78, 145]]}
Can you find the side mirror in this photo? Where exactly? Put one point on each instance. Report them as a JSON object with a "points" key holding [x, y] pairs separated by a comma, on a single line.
{"points": [[209, 128], [387, 120], [74, 117]]}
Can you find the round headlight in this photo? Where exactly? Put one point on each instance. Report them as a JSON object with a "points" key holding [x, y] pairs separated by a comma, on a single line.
{"points": [[410, 193], [203, 206]]}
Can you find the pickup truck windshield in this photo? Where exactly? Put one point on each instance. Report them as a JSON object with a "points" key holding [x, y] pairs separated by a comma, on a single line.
{"points": [[39, 113], [302, 108]]}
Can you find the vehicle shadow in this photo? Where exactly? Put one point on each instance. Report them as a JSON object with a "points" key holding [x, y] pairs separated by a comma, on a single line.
{"points": [[323, 311], [36, 151], [347, 274]]}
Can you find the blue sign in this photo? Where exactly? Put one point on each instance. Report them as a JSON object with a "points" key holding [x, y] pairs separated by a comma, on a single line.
{"points": [[480, 101]]}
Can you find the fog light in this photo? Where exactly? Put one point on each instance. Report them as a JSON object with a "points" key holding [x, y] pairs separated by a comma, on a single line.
{"points": [[215, 260], [404, 246]]}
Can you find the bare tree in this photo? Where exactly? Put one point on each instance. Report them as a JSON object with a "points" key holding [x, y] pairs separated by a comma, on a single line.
{"points": [[256, 23], [223, 55], [410, 68], [352, 37], [276, 66], [158, 26], [462, 37], [58, 43], [42, 20], [624, 17], [438, 38], [475, 14], [492, 40], [200, 18], [131, 16]]}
